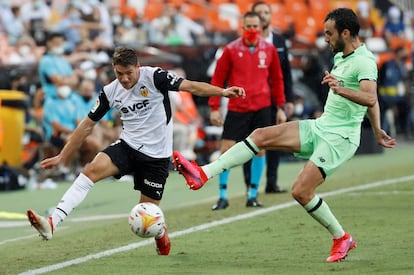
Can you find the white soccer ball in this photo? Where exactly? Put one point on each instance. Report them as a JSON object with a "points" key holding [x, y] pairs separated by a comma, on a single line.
{"points": [[146, 220]]}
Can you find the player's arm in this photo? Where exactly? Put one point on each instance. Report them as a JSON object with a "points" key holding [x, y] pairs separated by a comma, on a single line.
{"points": [[366, 96], [61, 80], [381, 136], [78, 136], [73, 144], [166, 81], [205, 89]]}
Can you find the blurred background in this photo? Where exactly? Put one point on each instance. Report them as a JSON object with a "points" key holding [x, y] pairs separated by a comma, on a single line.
{"points": [[184, 36]]}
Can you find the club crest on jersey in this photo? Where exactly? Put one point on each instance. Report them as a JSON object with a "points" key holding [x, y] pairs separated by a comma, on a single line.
{"points": [[144, 91], [95, 106], [262, 59]]}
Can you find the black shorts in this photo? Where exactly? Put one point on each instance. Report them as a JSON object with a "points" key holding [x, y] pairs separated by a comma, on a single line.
{"points": [[150, 174], [57, 141], [238, 126]]}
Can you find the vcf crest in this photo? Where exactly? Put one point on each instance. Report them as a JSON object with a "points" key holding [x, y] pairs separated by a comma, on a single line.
{"points": [[144, 91]]}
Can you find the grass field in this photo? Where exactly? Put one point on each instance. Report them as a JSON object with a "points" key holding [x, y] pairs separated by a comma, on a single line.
{"points": [[371, 195]]}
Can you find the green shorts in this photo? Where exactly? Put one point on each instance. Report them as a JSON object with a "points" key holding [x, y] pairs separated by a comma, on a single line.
{"points": [[326, 150]]}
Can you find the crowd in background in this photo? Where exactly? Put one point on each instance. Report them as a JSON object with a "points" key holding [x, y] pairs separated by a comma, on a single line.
{"points": [[91, 29]]}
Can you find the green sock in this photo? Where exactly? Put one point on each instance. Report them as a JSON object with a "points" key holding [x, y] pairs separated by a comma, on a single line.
{"points": [[320, 211], [238, 154]]}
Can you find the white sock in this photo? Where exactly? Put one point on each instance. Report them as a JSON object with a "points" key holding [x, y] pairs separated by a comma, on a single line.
{"points": [[71, 199]]}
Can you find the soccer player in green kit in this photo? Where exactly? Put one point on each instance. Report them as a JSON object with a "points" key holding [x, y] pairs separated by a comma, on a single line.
{"points": [[327, 142]]}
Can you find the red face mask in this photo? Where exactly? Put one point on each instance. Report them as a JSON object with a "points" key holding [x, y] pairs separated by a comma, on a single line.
{"points": [[251, 35]]}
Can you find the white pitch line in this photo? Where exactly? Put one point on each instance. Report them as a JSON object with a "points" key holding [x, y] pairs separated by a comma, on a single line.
{"points": [[212, 224]]}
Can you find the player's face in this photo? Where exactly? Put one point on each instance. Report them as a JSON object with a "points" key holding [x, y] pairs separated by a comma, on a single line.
{"points": [[252, 22], [265, 14], [127, 76], [333, 38]]}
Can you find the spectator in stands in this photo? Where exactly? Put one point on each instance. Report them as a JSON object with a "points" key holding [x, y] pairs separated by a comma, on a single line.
{"points": [[72, 26], [132, 32], [104, 132], [101, 12], [54, 69], [312, 68], [253, 63], [394, 26], [230, 11], [409, 25], [17, 26], [61, 114], [367, 29], [35, 109], [174, 28], [24, 52], [36, 15], [6, 19], [393, 87], [87, 56]]}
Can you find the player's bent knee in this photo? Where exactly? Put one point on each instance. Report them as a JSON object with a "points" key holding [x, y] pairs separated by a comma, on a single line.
{"points": [[258, 137], [302, 196], [91, 172]]}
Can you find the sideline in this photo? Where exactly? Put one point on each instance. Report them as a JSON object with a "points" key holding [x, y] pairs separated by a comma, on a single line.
{"points": [[212, 224]]}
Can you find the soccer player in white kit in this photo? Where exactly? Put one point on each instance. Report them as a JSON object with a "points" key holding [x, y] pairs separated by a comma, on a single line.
{"points": [[144, 148]]}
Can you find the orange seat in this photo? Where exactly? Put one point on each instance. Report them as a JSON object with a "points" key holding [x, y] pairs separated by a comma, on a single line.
{"points": [[176, 3], [215, 23], [399, 42], [280, 19], [153, 10], [270, 2], [218, 2], [351, 4], [223, 25], [384, 57], [318, 10], [194, 11], [297, 9], [305, 30], [244, 5]]}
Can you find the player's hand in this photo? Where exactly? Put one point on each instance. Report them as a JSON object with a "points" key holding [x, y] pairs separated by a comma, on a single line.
{"points": [[280, 116], [234, 92], [332, 82], [216, 119], [50, 162], [384, 139], [289, 108]]}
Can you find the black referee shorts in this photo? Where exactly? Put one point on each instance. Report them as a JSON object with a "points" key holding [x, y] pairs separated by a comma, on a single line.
{"points": [[238, 126]]}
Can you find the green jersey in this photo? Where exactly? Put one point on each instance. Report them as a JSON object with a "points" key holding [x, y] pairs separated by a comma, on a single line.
{"points": [[343, 116]]}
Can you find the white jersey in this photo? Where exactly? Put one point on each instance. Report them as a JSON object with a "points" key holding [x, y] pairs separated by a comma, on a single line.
{"points": [[145, 110]]}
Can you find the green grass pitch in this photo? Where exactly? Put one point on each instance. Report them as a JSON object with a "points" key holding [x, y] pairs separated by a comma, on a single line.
{"points": [[278, 239]]}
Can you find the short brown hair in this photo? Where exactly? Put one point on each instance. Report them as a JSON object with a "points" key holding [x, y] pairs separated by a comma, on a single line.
{"points": [[124, 56]]}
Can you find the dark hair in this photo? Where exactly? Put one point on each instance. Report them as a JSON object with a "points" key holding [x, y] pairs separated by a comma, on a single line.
{"points": [[52, 35], [252, 14], [124, 56], [344, 19]]}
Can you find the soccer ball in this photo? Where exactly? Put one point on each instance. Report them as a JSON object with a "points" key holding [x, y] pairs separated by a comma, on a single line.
{"points": [[146, 220]]}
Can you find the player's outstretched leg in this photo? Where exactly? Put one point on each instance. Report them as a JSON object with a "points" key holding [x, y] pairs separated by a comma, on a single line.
{"points": [[42, 224], [193, 174], [163, 243], [340, 248]]}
